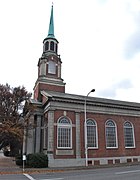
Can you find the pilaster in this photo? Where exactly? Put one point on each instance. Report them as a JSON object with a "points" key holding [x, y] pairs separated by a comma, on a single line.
{"points": [[38, 134], [78, 141], [30, 138], [50, 132]]}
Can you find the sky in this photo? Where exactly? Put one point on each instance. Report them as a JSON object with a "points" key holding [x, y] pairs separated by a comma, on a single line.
{"points": [[99, 44]]}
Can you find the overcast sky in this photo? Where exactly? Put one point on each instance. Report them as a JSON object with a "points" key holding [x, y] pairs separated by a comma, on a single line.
{"points": [[99, 44]]}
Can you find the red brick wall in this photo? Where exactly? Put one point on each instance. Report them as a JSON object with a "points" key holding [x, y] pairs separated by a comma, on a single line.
{"points": [[121, 150], [100, 119], [48, 87]]}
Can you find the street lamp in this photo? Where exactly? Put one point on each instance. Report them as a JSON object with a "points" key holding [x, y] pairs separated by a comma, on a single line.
{"points": [[85, 126], [22, 120], [24, 149]]}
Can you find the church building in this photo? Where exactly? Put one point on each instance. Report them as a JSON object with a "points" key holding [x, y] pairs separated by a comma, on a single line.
{"points": [[75, 130]]}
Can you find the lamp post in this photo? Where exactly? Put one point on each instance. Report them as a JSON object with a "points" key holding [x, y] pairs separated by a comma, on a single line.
{"points": [[24, 149], [85, 127], [22, 120]]}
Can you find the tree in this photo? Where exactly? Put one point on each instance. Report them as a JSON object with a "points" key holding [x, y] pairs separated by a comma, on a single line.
{"points": [[11, 110]]}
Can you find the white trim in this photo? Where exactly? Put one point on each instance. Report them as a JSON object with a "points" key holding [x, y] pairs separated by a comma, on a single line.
{"points": [[111, 147], [67, 148], [92, 148]]}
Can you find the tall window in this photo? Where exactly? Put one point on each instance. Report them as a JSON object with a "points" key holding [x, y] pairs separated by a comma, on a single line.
{"points": [[111, 134], [64, 133], [52, 46], [51, 67], [46, 46], [91, 134], [129, 135]]}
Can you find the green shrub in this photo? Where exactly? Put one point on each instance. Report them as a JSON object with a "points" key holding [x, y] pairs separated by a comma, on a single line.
{"points": [[37, 160]]}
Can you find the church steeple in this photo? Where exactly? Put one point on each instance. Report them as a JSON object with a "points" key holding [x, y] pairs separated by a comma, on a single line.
{"points": [[50, 42], [49, 65], [51, 26]]}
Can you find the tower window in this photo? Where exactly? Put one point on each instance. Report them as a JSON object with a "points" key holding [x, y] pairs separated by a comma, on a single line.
{"points": [[47, 46], [51, 67], [52, 46]]}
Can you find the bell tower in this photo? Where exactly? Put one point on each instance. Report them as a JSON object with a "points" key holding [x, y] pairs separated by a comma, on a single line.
{"points": [[49, 65]]}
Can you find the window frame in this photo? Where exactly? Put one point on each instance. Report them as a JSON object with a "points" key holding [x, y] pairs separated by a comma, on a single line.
{"points": [[51, 67], [46, 45], [116, 136], [52, 46], [96, 133], [66, 126], [133, 134]]}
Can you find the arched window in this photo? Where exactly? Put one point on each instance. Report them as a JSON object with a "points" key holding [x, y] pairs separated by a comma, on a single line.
{"points": [[51, 67], [91, 134], [47, 46], [111, 134], [52, 46], [64, 133], [129, 135]]}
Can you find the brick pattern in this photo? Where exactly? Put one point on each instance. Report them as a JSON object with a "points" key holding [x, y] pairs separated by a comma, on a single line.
{"points": [[48, 87]]}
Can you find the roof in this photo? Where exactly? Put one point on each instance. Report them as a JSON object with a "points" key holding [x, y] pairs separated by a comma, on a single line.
{"points": [[34, 101], [51, 26], [95, 100], [66, 101]]}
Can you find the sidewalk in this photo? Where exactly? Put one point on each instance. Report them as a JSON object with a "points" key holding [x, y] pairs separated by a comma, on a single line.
{"points": [[7, 164]]}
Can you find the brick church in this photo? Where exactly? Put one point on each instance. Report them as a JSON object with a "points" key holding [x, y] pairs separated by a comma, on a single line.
{"points": [[75, 130]]}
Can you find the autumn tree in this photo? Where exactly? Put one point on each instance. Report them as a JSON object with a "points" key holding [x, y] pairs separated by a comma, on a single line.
{"points": [[11, 112]]}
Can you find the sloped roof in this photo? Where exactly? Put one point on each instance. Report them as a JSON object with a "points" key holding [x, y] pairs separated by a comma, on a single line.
{"points": [[95, 100], [34, 101]]}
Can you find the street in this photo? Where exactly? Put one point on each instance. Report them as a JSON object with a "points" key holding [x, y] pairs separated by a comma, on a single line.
{"points": [[110, 173]]}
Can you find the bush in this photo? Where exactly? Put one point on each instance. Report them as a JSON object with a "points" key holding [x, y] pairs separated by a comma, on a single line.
{"points": [[37, 160]]}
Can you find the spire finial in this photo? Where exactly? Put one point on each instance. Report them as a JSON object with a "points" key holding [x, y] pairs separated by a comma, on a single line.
{"points": [[51, 25]]}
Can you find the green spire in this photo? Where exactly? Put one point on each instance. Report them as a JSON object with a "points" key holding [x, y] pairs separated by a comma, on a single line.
{"points": [[51, 25]]}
